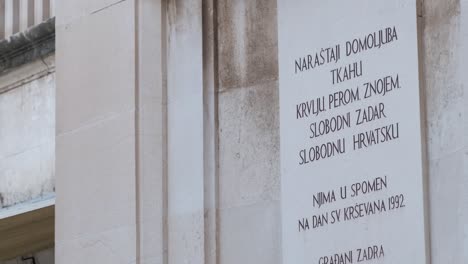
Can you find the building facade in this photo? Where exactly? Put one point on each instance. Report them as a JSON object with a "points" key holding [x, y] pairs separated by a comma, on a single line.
{"points": [[151, 132], [27, 131]]}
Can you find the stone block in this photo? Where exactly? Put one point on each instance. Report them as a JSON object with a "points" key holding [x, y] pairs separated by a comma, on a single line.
{"points": [[248, 43], [249, 145], [95, 67], [251, 234]]}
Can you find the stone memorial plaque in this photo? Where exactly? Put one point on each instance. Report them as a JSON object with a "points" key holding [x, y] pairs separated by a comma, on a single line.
{"points": [[351, 159]]}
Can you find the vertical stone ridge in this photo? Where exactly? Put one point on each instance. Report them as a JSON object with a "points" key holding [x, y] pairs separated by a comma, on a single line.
{"points": [[151, 132], [216, 118], [137, 137], [462, 66], [423, 120], [164, 50], [210, 127]]}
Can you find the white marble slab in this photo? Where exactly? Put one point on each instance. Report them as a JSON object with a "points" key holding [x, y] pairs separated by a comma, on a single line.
{"points": [[351, 164]]}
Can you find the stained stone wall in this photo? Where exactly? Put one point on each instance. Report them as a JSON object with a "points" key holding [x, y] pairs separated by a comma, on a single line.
{"points": [[248, 109], [444, 93], [27, 132]]}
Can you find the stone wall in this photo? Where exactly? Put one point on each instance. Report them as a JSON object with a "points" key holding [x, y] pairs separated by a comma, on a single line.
{"points": [[444, 95], [168, 131], [95, 133], [248, 109], [27, 133]]}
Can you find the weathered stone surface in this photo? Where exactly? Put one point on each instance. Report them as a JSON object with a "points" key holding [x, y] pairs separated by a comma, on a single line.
{"points": [[27, 140], [248, 43], [249, 176], [443, 85], [185, 175], [447, 206], [251, 234], [249, 145], [35, 43], [445, 97]]}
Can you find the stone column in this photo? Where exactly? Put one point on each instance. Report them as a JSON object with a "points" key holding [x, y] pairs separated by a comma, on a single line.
{"points": [[249, 168], [111, 132], [185, 126]]}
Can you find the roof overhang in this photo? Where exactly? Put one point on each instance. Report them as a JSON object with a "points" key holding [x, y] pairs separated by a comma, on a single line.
{"points": [[27, 227]]}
